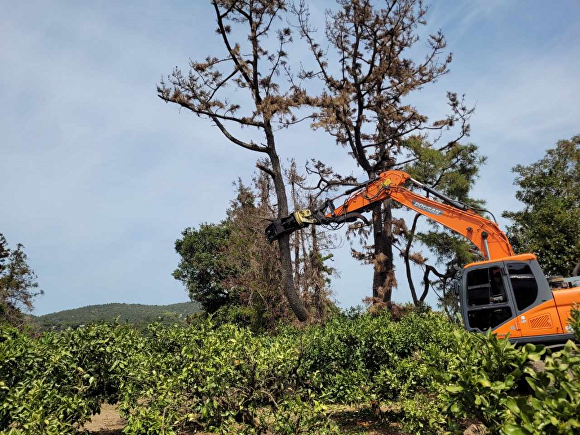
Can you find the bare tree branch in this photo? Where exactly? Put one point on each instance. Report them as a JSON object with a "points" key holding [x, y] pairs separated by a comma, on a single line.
{"points": [[248, 145], [266, 170]]}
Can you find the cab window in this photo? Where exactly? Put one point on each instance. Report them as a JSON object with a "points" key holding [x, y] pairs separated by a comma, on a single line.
{"points": [[488, 318], [487, 298], [523, 284], [485, 286]]}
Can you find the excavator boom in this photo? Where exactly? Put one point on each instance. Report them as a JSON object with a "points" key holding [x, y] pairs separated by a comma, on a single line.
{"points": [[482, 232]]}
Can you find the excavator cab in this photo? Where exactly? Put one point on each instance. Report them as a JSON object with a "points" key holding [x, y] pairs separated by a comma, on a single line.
{"points": [[498, 294]]}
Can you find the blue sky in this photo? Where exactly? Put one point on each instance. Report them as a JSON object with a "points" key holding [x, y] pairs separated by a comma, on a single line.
{"points": [[99, 176]]}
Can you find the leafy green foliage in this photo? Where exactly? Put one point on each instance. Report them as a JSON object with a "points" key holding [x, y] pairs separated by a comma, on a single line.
{"points": [[554, 406], [483, 374], [549, 224], [221, 376], [58, 381], [423, 413], [204, 265], [18, 286], [297, 416], [374, 358], [485, 378]]}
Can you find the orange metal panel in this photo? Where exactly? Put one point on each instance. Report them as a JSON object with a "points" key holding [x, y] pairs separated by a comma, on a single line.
{"points": [[521, 257], [565, 299], [549, 318], [510, 327], [542, 319]]}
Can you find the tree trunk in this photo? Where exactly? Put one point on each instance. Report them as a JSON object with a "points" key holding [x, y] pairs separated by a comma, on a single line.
{"points": [[284, 242], [384, 275], [296, 240], [316, 274], [388, 251], [379, 275], [303, 285], [288, 279], [383, 252], [576, 270], [410, 236]]}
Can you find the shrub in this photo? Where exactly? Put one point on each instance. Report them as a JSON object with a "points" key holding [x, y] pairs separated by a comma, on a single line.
{"points": [[575, 322], [402, 378], [55, 383], [423, 413], [483, 374], [333, 359], [219, 376], [554, 406], [227, 378], [298, 416]]}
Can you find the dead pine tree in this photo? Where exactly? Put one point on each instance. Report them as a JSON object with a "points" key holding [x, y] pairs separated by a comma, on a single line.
{"points": [[367, 84], [251, 69], [312, 271]]}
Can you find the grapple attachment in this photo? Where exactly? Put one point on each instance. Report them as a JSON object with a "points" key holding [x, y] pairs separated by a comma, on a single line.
{"points": [[298, 219], [303, 218]]}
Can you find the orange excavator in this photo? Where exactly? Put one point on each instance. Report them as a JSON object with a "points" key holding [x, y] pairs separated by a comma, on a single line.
{"points": [[506, 293]]}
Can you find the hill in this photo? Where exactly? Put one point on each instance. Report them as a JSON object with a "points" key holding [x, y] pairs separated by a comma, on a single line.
{"points": [[137, 314]]}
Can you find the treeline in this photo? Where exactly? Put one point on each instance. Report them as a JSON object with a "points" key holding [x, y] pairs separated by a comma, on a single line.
{"points": [[137, 315], [421, 374]]}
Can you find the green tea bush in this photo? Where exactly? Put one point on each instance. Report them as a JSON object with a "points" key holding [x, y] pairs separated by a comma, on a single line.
{"points": [[483, 380], [403, 378], [333, 359], [350, 360], [423, 414], [220, 377], [215, 378], [55, 383], [554, 405], [297, 416], [483, 373], [575, 322]]}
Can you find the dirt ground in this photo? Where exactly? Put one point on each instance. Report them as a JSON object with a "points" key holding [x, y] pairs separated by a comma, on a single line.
{"points": [[350, 419], [108, 422]]}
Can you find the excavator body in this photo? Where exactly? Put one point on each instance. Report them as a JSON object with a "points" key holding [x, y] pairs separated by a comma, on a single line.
{"points": [[506, 293], [512, 297]]}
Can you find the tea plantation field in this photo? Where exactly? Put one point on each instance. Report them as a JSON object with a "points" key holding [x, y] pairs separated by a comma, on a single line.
{"points": [[419, 375]]}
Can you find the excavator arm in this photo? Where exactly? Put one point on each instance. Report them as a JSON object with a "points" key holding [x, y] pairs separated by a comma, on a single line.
{"points": [[482, 232]]}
